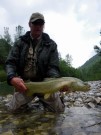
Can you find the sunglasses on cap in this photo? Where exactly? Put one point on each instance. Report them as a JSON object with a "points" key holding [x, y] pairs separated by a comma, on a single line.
{"points": [[38, 22]]}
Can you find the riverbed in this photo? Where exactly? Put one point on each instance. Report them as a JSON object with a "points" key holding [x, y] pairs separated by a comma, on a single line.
{"points": [[82, 116]]}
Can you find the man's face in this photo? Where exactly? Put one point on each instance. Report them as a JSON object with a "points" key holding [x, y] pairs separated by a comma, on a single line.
{"points": [[36, 28]]}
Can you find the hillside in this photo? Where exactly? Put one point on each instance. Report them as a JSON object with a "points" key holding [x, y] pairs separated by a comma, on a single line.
{"points": [[91, 62], [91, 69]]}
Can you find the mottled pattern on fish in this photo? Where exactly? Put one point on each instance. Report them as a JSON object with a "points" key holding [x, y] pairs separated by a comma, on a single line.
{"points": [[49, 86]]}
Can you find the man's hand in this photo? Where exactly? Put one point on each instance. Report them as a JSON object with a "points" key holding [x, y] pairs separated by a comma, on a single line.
{"points": [[18, 83]]}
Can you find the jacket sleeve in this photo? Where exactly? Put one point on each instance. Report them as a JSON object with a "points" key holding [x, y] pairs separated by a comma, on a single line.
{"points": [[53, 65], [12, 62]]}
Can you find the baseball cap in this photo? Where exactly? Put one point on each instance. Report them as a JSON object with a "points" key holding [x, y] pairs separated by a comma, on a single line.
{"points": [[36, 16]]}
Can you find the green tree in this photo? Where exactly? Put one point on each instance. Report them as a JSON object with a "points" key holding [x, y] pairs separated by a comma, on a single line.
{"points": [[4, 50], [7, 36], [63, 67], [97, 48], [19, 31], [66, 68], [68, 59]]}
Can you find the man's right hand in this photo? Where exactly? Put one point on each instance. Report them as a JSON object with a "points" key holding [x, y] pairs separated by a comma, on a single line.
{"points": [[18, 83]]}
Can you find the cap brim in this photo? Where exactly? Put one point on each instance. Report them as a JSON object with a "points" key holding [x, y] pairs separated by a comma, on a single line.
{"points": [[33, 20]]}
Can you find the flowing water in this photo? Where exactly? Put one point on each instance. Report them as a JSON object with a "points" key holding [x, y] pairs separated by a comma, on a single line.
{"points": [[75, 120]]}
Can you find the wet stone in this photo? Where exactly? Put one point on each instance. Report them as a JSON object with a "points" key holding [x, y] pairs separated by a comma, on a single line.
{"points": [[95, 134], [80, 133], [90, 104], [82, 116]]}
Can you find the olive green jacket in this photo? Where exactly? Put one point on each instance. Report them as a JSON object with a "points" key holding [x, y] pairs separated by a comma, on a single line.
{"points": [[47, 58]]}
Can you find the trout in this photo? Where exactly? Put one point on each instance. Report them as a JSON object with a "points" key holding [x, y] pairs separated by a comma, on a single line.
{"points": [[52, 85]]}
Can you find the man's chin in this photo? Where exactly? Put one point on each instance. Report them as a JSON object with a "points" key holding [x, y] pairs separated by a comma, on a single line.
{"points": [[38, 34]]}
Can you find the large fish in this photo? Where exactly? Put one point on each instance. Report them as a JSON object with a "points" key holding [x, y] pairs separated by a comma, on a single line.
{"points": [[49, 86]]}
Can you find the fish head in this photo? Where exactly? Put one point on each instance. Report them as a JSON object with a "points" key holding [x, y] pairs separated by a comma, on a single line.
{"points": [[80, 86]]}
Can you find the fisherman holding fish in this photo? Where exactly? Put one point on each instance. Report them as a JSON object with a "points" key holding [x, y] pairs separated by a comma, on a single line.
{"points": [[33, 57]]}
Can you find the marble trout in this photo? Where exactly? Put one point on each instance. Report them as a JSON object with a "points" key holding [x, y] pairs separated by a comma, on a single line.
{"points": [[51, 85]]}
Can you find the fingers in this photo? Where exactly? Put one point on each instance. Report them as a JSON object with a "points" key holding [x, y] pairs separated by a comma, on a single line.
{"points": [[21, 87], [18, 83]]}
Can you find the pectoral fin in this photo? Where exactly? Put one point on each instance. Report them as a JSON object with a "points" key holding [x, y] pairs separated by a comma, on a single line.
{"points": [[46, 96]]}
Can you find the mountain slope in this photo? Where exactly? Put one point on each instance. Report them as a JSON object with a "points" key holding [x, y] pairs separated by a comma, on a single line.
{"points": [[91, 62], [91, 69]]}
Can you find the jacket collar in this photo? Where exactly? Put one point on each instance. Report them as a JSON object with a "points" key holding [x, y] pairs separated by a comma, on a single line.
{"points": [[26, 38]]}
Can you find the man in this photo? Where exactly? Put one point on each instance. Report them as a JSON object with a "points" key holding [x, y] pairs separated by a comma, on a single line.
{"points": [[32, 58]]}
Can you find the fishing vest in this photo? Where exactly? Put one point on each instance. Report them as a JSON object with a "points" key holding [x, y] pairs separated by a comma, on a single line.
{"points": [[30, 69]]}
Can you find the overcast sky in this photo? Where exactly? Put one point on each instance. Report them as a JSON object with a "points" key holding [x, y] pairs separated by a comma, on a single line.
{"points": [[73, 24]]}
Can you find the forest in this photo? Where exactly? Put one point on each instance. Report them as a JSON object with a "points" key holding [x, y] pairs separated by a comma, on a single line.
{"points": [[91, 69]]}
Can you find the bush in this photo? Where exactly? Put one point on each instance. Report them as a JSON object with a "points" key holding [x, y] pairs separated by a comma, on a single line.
{"points": [[2, 75]]}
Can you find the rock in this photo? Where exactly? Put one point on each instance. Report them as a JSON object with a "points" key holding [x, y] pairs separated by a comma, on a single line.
{"points": [[97, 100], [90, 104], [7, 133], [80, 133]]}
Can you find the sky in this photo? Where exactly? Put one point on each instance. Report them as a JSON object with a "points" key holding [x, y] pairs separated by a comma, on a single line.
{"points": [[73, 24]]}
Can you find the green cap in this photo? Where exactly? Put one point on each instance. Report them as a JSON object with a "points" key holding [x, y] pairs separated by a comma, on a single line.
{"points": [[36, 16]]}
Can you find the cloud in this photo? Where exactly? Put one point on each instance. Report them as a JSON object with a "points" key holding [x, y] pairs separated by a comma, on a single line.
{"points": [[72, 36], [74, 25]]}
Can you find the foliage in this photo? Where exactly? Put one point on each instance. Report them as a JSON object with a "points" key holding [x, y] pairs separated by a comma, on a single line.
{"points": [[6, 42], [5, 89], [97, 48], [19, 32], [4, 50], [91, 70], [2, 75], [89, 63], [7, 36], [67, 70], [68, 59]]}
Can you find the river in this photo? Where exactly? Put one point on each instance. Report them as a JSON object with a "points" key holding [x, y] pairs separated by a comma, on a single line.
{"points": [[82, 116]]}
